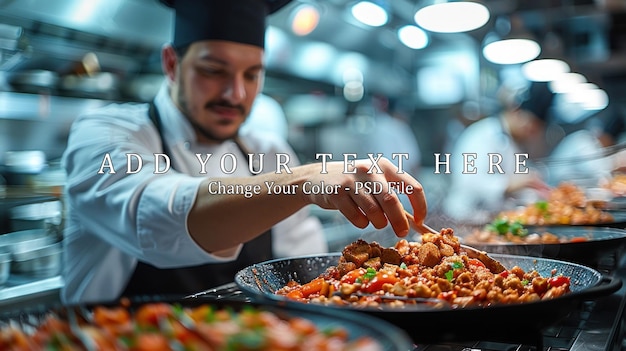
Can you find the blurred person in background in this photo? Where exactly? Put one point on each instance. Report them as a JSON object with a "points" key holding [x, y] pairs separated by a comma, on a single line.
{"points": [[514, 131], [587, 155], [155, 233], [376, 126]]}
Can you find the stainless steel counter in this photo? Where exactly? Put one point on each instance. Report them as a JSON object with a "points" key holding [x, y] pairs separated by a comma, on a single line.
{"points": [[25, 292]]}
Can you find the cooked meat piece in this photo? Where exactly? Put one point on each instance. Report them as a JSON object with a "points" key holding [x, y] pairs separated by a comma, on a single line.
{"points": [[449, 238], [429, 255], [358, 252], [376, 249], [344, 267], [373, 262], [390, 255], [446, 249]]}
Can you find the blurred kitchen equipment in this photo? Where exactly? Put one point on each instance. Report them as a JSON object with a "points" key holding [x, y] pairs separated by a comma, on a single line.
{"points": [[24, 240], [21, 166], [143, 88], [33, 252], [36, 81], [40, 262], [101, 85], [40, 215], [5, 266]]}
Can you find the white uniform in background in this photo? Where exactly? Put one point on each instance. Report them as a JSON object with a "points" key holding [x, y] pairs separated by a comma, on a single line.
{"points": [[471, 197]]}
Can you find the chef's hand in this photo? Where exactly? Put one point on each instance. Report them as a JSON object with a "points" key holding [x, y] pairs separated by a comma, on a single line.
{"points": [[379, 204]]}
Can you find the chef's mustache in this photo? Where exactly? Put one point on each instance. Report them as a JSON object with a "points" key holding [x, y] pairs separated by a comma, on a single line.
{"points": [[225, 104]]}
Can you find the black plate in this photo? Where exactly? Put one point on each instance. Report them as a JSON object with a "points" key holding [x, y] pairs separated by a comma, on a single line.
{"points": [[427, 324], [390, 337], [619, 221], [603, 243]]}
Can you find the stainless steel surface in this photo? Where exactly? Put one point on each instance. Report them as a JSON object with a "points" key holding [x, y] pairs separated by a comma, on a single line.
{"points": [[39, 262], [25, 240], [35, 253], [5, 267], [27, 292]]}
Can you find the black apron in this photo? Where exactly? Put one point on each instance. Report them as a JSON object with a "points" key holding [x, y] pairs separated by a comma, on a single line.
{"points": [[148, 280]]}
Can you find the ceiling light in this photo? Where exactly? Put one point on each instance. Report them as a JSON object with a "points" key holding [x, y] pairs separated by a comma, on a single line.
{"points": [[544, 70], [305, 19], [370, 13], [413, 37], [588, 95], [452, 17], [511, 51], [566, 82]]}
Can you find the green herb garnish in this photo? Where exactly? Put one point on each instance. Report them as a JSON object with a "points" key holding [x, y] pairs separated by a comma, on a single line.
{"points": [[503, 226], [370, 274], [449, 275]]}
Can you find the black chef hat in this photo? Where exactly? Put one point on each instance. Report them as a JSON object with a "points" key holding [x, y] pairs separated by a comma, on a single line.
{"points": [[241, 21], [538, 100]]}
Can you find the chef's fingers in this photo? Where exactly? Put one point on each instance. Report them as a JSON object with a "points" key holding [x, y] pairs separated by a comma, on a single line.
{"points": [[413, 189], [352, 212], [382, 204]]}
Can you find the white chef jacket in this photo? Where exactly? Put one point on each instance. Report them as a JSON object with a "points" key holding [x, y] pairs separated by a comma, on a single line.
{"points": [[115, 219], [473, 195]]}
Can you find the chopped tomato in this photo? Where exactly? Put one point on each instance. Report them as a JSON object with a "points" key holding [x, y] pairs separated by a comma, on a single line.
{"points": [[475, 262], [558, 281], [353, 275], [378, 281], [152, 342], [447, 295], [317, 285], [578, 239], [295, 294], [150, 314]]}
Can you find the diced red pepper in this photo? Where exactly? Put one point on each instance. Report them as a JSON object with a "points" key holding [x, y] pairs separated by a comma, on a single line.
{"points": [[559, 281], [352, 276], [378, 281]]}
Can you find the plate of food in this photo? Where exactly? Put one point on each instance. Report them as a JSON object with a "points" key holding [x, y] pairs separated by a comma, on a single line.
{"points": [[427, 287], [196, 324], [588, 245], [566, 205]]}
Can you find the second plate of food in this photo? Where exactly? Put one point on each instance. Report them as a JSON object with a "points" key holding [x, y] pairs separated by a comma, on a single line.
{"points": [[589, 245]]}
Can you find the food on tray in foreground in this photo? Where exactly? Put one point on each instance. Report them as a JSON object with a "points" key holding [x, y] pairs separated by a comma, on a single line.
{"points": [[565, 205], [616, 184], [505, 231], [164, 326], [368, 274]]}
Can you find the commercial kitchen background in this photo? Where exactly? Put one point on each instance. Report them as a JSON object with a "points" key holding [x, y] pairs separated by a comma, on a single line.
{"points": [[58, 58]]}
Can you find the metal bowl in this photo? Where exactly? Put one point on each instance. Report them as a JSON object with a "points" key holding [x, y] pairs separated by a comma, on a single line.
{"points": [[40, 262], [25, 240]]}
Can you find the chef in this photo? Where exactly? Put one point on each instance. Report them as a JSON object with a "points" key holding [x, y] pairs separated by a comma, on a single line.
{"points": [[141, 219]]}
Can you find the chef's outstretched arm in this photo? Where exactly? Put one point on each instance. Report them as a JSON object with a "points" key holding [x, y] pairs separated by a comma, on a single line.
{"points": [[220, 221]]}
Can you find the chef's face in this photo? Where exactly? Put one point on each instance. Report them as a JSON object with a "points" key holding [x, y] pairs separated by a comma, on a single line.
{"points": [[214, 84]]}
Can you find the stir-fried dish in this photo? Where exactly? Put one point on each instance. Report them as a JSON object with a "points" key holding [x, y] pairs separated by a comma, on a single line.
{"points": [[163, 326], [434, 270], [616, 184], [505, 231], [565, 205]]}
